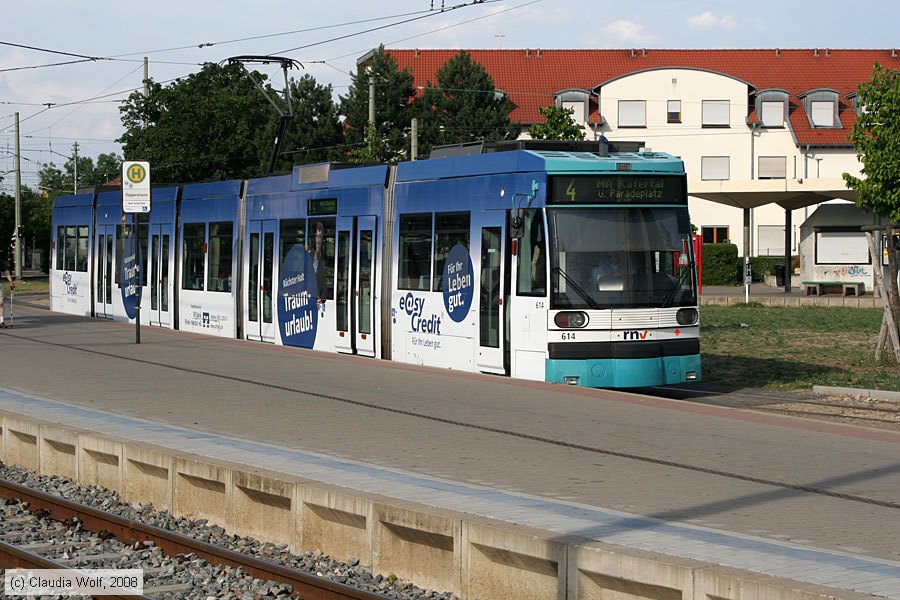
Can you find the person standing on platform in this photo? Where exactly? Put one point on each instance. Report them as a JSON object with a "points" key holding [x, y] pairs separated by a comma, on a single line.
{"points": [[4, 270]]}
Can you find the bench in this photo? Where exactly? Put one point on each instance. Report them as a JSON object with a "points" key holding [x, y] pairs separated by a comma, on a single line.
{"points": [[848, 288]]}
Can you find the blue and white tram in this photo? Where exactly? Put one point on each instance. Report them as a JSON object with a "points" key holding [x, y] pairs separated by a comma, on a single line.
{"points": [[551, 265], [311, 240], [497, 267], [207, 252], [70, 260]]}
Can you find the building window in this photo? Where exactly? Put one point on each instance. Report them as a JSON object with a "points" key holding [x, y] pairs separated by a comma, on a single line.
{"points": [[837, 246], [770, 240], [632, 113], [715, 113], [772, 167], [673, 111], [715, 168], [714, 234], [578, 112], [822, 113], [773, 114]]}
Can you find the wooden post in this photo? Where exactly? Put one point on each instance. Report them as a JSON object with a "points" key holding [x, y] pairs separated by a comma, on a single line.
{"points": [[888, 324]]}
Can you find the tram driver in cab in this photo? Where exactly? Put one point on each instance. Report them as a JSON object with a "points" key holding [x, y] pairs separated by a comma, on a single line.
{"points": [[607, 274]]}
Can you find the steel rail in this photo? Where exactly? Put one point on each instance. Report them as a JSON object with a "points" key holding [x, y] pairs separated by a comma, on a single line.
{"points": [[303, 585], [14, 557]]}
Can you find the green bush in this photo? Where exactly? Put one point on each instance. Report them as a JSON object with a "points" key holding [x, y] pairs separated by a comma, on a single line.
{"points": [[765, 265], [721, 265]]}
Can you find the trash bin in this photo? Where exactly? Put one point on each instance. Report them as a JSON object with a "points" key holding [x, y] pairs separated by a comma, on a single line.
{"points": [[779, 275]]}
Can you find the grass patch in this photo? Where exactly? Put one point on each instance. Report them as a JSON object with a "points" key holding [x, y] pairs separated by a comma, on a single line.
{"points": [[33, 286], [794, 348]]}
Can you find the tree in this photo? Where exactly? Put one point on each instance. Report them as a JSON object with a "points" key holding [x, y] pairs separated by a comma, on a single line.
{"points": [[56, 181], [315, 133], [36, 210], [393, 91], [463, 106], [876, 136], [557, 125], [210, 125]]}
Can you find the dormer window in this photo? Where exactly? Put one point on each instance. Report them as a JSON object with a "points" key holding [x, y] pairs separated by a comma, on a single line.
{"points": [[858, 107], [821, 108], [822, 113], [575, 100], [771, 107]]}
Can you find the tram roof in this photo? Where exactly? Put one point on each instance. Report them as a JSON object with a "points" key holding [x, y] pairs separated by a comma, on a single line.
{"points": [[214, 189], [69, 200], [529, 161]]}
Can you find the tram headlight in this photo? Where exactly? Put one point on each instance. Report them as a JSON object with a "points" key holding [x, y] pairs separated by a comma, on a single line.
{"points": [[571, 320], [687, 316]]}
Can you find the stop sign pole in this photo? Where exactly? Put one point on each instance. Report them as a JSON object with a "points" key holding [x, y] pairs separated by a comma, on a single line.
{"points": [[136, 200]]}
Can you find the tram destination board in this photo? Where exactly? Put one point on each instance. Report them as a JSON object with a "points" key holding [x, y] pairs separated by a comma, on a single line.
{"points": [[618, 189]]}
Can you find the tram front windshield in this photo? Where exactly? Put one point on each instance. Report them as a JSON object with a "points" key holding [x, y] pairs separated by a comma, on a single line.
{"points": [[621, 257]]}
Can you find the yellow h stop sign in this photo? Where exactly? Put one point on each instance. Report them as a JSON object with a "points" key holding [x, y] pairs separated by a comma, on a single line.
{"points": [[136, 187]]}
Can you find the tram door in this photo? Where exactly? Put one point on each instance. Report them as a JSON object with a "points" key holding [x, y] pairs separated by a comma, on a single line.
{"points": [[345, 290], [104, 281], [260, 279], [160, 277], [493, 295], [365, 286]]}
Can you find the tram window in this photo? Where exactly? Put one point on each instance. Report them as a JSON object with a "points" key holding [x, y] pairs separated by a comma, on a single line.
{"points": [[60, 247], [221, 236], [192, 268], [321, 232], [143, 236], [532, 276], [343, 283], [293, 235], [81, 249], [122, 231], [71, 245], [65, 248], [450, 229], [415, 252]]}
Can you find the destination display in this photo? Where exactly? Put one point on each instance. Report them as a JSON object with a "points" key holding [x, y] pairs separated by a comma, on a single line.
{"points": [[322, 206], [618, 189]]}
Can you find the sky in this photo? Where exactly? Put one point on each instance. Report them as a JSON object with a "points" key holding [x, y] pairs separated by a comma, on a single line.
{"points": [[63, 104]]}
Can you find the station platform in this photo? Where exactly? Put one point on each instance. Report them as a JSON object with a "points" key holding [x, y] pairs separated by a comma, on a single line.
{"points": [[476, 484]]}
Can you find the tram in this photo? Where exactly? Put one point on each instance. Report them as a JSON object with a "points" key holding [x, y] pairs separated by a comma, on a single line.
{"points": [[566, 264]]}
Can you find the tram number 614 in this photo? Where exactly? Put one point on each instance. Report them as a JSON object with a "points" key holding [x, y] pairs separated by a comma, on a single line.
{"points": [[568, 335]]}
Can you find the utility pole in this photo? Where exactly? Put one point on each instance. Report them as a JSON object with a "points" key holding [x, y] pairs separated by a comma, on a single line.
{"points": [[371, 100], [146, 78], [17, 247], [414, 135], [75, 191]]}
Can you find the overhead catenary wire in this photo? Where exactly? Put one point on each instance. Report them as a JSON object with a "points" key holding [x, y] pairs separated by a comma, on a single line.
{"points": [[406, 17]]}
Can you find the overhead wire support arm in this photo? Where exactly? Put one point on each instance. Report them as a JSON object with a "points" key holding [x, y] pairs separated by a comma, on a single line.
{"points": [[284, 114]]}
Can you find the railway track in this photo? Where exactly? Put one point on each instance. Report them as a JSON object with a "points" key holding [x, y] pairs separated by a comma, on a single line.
{"points": [[865, 412], [48, 532]]}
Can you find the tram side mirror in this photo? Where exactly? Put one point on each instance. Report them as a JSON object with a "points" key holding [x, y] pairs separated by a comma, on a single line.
{"points": [[517, 223]]}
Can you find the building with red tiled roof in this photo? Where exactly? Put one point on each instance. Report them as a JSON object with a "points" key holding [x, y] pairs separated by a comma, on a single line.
{"points": [[757, 129]]}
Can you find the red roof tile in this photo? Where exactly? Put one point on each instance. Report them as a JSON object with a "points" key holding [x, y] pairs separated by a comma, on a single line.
{"points": [[532, 77]]}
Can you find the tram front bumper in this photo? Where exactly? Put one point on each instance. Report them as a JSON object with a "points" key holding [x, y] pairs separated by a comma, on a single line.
{"points": [[624, 372]]}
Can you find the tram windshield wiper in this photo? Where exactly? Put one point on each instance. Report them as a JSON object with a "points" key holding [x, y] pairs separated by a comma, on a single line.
{"points": [[670, 297], [578, 289]]}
